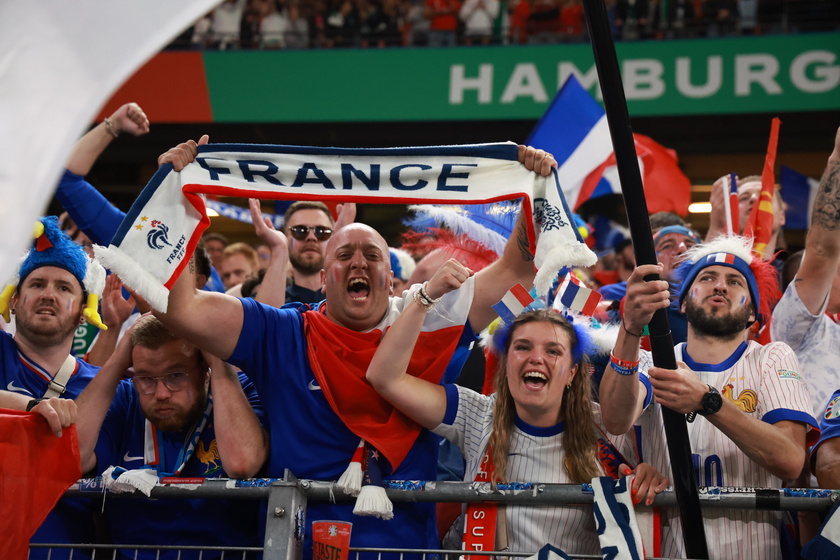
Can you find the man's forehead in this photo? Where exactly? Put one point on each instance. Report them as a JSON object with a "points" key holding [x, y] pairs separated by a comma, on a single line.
{"points": [[53, 273], [721, 270], [675, 236], [309, 217], [358, 235]]}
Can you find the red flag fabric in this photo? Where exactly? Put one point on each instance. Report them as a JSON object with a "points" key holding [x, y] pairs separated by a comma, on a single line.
{"points": [[760, 224], [667, 188], [35, 469], [347, 354]]}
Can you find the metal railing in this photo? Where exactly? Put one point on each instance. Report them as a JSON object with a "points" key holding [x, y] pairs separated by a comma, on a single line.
{"points": [[287, 500]]}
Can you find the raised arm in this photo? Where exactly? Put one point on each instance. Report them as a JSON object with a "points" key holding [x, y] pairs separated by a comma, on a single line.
{"points": [[622, 396], [420, 400], [129, 119], [273, 288], [822, 246], [243, 443], [516, 265], [210, 320], [91, 211], [95, 400]]}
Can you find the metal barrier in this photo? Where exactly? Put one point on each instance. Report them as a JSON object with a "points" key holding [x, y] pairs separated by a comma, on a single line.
{"points": [[287, 499]]}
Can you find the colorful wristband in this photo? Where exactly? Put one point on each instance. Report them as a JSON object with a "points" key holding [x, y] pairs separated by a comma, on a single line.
{"points": [[623, 367]]}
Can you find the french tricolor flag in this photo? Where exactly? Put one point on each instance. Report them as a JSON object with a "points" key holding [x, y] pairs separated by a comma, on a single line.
{"points": [[574, 129], [721, 258], [513, 303], [576, 297]]}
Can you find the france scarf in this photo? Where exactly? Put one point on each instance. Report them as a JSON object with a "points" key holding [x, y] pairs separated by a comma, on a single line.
{"points": [[163, 227]]}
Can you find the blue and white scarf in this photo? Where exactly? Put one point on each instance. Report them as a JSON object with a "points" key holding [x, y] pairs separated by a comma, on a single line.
{"points": [[161, 230]]}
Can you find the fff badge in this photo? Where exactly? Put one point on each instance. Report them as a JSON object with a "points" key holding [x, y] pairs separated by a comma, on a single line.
{"points": [[331, 540]]}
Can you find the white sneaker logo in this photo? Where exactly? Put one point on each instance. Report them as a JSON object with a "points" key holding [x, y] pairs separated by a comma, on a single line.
{"points": [[11, 387], [128, 458], [314, 386]]}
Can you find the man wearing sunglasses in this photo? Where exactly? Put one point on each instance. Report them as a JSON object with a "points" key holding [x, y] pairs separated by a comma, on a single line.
{"points": [[204, 422], [308, 227]]}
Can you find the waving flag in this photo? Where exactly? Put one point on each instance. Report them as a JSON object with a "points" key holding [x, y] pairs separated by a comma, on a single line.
{"points": [[574, 128], [798, 191], [59, 61], [760, 223]]}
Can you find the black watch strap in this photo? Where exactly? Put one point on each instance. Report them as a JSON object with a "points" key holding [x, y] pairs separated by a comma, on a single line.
{"points": [[31, 404]]}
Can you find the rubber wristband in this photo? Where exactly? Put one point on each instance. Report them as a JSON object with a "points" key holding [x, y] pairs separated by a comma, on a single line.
{"points": [[623, 363]]}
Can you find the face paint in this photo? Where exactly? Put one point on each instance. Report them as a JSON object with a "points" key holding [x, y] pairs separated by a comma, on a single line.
{"points": [[743, 300], [70, 303], [382, 280]]}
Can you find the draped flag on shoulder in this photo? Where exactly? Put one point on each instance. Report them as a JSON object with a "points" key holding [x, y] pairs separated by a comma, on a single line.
{"points": [[574, 129], [162, 228]]}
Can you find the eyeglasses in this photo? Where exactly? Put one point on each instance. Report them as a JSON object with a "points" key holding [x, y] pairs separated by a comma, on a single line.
{"points": [[322, 233], [147, 384]]}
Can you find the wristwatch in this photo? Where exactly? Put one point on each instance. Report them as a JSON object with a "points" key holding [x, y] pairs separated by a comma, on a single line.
{"points": [[709, 404], [31, 404]]}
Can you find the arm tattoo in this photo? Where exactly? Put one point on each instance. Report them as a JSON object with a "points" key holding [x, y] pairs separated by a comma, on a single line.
{"points": [[522, 243], [192, 266], [826, 212]]}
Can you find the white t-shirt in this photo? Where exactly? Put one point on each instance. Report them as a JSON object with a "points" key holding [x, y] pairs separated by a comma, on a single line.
{"points": [[765, 382], [536, 455], [816, 341]]}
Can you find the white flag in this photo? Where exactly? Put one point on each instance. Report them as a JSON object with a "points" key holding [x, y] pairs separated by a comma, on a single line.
{"points": [[60, 61]]}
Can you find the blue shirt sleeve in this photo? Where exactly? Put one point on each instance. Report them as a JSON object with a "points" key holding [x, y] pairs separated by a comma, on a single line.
{"points": [[92, 212]]}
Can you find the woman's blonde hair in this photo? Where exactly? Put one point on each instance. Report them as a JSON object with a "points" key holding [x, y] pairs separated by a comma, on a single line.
{"points": [[579, 439]]}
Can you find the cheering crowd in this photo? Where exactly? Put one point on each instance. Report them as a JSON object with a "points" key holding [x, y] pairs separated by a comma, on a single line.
{"points": [[327, 352]]}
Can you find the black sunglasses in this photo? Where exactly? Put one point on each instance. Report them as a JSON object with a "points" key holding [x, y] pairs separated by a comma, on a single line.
{"points": [[322, 233]]}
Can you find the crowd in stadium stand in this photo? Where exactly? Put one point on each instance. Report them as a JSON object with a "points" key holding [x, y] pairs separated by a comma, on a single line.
{"points": [[298, 24]]}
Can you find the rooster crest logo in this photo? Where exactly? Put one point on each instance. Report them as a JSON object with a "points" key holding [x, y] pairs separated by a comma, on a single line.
{"points": [[746, 401], [158, 236]]}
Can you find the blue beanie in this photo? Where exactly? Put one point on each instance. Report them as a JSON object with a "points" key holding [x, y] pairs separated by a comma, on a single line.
{"points": [[722, 259]]}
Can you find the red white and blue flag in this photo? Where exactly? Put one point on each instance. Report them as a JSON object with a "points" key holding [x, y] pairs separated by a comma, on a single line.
{"points": [[574, 129], [513, 303], [576, 297]]}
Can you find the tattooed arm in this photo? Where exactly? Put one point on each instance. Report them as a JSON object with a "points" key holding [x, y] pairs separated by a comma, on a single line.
{"points": [[819, 268], [516, 265]]}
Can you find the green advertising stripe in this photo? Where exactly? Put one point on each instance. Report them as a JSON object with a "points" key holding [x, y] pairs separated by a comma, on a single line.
{"points": [[661, 78]]}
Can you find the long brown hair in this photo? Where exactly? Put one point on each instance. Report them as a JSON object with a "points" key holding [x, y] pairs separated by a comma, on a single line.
{"points": [[579, 439]]}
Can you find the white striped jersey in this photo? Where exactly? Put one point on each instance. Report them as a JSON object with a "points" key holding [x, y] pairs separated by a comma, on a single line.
{"points": [[764, 381], [536, 455]]}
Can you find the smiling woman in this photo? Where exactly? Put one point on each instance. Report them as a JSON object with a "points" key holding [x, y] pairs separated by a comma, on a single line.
{"points": [[540, 426]]}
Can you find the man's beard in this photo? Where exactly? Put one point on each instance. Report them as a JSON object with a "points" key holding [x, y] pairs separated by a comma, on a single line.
{"points": [[306, 266], [727, 326], [180, 422], [47, 336]]}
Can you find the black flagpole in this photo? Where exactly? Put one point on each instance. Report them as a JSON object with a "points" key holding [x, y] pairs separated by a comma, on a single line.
{"points": [[635, 204]]}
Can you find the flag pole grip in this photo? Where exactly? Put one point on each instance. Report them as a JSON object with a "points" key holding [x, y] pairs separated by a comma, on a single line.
{"points": [[618, 119]]}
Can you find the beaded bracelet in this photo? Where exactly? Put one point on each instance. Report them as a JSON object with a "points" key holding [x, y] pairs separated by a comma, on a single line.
{"points": [[623, 367], [425, 295], [424, 299]]}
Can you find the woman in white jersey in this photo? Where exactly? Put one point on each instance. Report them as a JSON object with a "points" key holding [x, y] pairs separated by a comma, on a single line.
{"points": [[540, 426]]}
